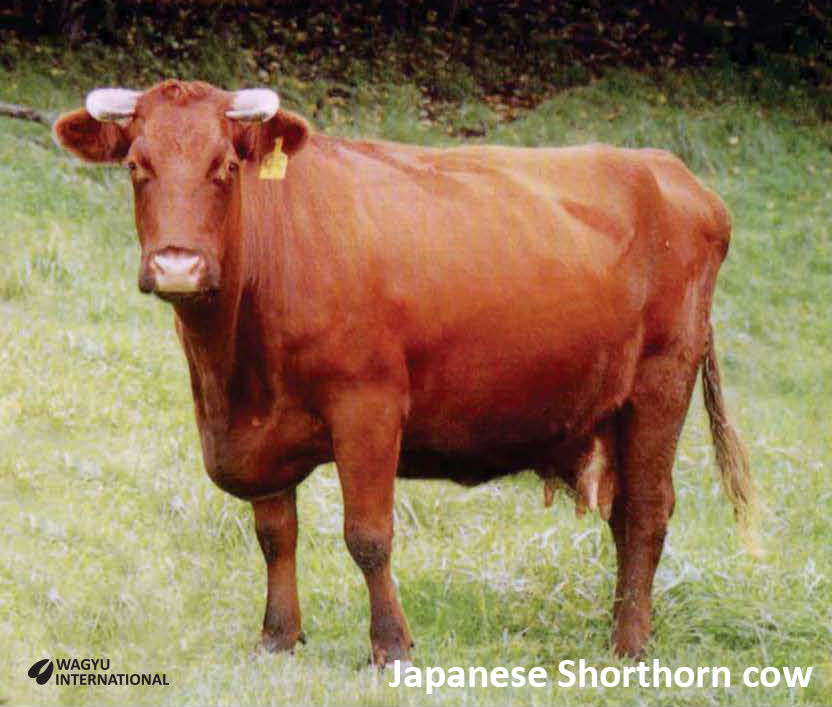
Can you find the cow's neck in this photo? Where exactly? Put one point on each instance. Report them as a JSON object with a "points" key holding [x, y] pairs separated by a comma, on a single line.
{"points": [[207, 330], [207, 334]]}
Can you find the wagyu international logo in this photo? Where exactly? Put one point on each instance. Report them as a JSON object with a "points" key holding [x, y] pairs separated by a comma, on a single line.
{"points": [[42, 671], [89, 671]]}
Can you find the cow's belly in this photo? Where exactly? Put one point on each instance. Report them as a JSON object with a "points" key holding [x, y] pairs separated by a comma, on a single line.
{"points": [[504, 401], [518, 355]]}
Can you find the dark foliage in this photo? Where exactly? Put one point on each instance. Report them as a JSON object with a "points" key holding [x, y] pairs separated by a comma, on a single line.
{"points": [[632, 32], [510, 53]]}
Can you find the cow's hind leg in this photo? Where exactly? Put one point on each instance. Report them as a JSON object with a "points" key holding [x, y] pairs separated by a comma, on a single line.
{"points": [[649, 425], [276, 523], [366, 431]]}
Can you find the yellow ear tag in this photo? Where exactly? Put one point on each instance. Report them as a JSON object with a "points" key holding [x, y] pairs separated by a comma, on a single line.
{"points": [[274, 164]]}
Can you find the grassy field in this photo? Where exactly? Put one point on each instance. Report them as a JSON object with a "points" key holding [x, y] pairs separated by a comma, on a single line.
{"points": [[114, 543]]}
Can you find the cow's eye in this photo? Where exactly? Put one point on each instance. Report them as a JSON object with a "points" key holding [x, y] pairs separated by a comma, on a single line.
{"points": [[233, 167], [132, 166]]}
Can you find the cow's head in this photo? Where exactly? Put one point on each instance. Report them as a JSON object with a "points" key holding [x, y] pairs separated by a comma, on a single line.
{"points": [[186, 146]]}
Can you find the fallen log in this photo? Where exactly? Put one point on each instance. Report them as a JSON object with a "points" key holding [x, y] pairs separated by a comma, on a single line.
{"points": [[12, 110]]}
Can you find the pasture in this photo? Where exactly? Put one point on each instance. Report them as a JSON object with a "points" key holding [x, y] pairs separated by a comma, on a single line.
{"points": [[115, 544]]}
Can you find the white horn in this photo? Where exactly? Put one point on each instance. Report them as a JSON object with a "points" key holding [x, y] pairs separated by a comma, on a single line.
{"points": [[253, 104], [111, 103]]}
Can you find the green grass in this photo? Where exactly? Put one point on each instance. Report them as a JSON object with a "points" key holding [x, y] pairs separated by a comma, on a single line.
{"points": [[114, 543]]}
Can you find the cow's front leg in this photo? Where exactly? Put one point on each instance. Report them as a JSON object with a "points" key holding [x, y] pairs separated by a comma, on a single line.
{"points": [[366, 433], [276, 522]]}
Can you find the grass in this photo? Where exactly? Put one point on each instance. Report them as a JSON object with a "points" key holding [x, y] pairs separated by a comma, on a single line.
{"points": [[115, 544]]}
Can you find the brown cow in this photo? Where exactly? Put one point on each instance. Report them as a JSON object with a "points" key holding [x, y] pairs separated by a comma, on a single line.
{"points": [[458, 313]]}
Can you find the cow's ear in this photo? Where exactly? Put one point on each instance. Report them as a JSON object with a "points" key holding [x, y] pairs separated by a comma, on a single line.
{"points": [[90, 139], [256, 140]]}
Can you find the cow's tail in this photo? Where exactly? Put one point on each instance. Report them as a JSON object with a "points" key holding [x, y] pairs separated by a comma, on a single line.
{"points": [[731, 456]]}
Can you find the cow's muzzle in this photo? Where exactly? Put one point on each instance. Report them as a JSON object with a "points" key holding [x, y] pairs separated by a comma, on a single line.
{"points": [[176, 273]]}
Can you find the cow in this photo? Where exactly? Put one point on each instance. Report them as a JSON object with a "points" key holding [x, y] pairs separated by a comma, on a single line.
{"points": [[461, 313]]}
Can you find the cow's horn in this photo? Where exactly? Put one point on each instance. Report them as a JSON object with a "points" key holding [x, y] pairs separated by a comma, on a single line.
{"points": [[111, 103], [253, 104]]}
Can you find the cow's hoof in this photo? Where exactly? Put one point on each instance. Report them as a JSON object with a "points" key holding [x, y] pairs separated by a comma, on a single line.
{"points": [[382, 658], [280, 643], [629, 644], [390, 665]]}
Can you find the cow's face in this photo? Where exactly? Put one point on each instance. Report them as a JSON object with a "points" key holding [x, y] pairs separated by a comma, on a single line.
{"points": [[185, 147]]}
